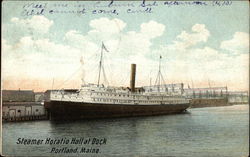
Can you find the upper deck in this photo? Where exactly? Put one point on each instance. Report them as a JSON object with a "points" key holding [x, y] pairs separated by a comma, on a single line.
{"points": [[92, 93]]}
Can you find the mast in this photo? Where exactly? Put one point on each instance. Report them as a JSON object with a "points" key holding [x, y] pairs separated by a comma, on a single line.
{"points": [[159, 77], [100, 63], [159, 72], [100, 66]]}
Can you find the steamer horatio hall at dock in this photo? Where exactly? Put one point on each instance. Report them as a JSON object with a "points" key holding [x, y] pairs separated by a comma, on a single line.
{"points": [[99, 101]]}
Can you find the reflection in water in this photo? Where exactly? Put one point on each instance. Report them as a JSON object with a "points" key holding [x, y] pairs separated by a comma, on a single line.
{"points": [[218, 131]]}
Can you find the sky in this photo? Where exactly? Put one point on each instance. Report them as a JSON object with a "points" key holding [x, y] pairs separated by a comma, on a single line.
{"points": [[200, 45]]}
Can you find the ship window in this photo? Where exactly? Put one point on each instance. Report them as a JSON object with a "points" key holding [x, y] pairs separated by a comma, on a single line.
{"points": [[19, 111], [36, 110]]}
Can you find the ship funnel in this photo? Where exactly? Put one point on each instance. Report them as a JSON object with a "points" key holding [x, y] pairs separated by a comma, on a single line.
{"points": [[132, 77]]}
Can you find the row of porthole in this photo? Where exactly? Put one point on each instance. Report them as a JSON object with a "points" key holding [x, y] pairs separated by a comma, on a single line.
{"points": [[146, 97], [129, 101]]}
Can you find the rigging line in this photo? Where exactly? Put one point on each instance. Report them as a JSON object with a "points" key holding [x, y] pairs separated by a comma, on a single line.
{"points": [[107, 67], [122, 79], [126, 77], [118, 77], [112, 70], [163, 81], [94, 73], [150, 78], [162, 75], [70, 76], [94, 54], [157, 78], [104, 76]]}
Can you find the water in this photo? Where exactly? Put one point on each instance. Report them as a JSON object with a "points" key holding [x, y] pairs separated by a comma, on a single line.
{"points": [[216, 131]]}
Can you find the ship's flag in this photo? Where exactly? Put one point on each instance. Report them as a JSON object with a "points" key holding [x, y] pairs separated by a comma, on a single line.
{"points": [[103, 46]]}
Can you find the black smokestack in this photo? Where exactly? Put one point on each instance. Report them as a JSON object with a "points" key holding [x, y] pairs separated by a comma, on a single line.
{"points": [[132, 77]]}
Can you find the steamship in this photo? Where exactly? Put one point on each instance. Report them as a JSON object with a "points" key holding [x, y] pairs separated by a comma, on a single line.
{"points": [[100, 101]]}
